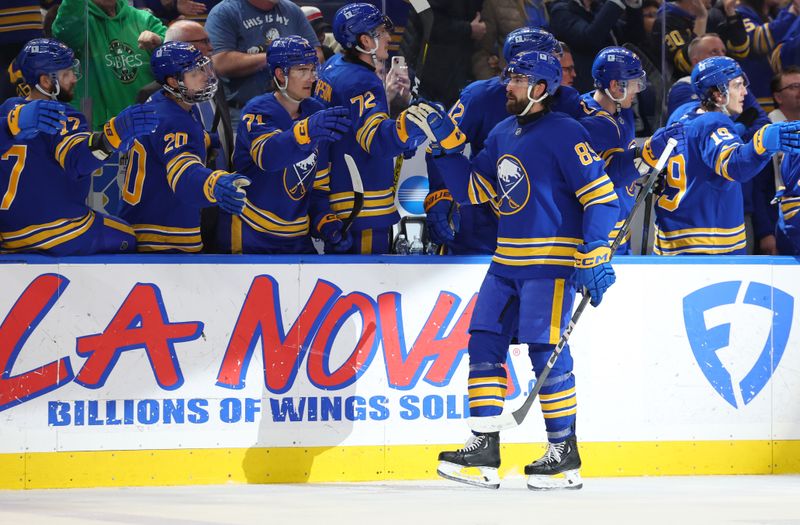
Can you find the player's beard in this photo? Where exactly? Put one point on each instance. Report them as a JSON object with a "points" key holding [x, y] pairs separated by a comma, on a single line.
{"points": [[66, 95], [514, 106]]}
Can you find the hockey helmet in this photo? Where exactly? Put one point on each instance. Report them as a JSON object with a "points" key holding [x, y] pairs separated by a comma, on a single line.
{"points": [[530, 39], [715, 72], [620, 64], [175, 59], [538, 67], [353, 20], [290, 51], [45, 56]]}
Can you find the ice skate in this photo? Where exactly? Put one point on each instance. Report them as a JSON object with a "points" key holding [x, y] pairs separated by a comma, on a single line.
{"points": [[481, 453], [559, 468]]}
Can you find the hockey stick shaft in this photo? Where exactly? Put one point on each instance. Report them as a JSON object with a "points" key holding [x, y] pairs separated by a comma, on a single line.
{"points": [[358, 193], [505, 421]]}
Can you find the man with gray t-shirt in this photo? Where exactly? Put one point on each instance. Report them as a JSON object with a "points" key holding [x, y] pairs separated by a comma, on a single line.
{"points": [[240, 31]]}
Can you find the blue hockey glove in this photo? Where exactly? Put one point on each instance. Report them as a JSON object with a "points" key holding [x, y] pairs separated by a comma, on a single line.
{"points": [[328, 124], [45, 116], [132, 122], [593, 271], [442, 217], [438, 126], [781, 136], [655, 145], [228, 191], [330, 229]]}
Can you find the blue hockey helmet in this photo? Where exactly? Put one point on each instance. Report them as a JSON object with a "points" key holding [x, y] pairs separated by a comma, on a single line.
{"points": [[530, 39], [538, 66], [175, 59], [45, 56], [620, 64], [289, 51], [715, 73], [353, 20]]}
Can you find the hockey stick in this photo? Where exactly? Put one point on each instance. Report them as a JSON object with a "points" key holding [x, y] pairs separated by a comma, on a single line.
{"points": [[508, 420], [358, 193]]}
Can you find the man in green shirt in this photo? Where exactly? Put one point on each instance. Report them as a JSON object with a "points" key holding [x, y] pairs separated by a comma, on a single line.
{"points": [[114, 45]]}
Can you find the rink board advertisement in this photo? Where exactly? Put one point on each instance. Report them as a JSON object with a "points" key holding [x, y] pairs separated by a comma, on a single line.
{"points": [[148, 363]]}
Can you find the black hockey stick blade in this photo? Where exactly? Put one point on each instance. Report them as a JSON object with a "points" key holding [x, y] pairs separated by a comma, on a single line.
{"points": [[358, 191], [508, 420]]}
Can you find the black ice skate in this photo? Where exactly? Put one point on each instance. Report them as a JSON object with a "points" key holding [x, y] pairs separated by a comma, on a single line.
{"points": [[481, 452], [559, 468]]}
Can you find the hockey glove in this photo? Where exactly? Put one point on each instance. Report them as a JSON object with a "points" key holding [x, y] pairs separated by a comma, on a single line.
{"points": [[132, 122], [781, 136], [27, 120], [655, 145], [228, 191], [438, 126], [593, 271], [330, 229], [328, 124], [442, 217]]}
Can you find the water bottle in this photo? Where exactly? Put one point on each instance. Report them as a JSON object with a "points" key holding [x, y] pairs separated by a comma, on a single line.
{"points": [[401, 245]]}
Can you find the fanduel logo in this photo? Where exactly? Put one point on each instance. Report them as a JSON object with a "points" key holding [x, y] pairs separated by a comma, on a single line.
{"points": [[712, 314]]}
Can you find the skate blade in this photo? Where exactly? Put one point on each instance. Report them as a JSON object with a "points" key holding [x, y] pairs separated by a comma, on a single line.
{"points": [[487, 479], [570, 480]]}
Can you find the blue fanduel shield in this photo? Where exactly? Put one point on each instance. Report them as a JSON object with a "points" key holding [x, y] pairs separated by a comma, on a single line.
{"points": [[706, 341]]}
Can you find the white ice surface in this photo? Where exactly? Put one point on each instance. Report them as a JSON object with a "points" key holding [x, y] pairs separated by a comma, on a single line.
{"points": [[669, 500]]}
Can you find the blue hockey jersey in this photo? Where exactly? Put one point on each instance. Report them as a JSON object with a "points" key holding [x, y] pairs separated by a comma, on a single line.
{"points": [[167, 182], [290, 181], [701, 210], [481, 106], [610, 136], [44, 183], [373, 143], [551, 191]]}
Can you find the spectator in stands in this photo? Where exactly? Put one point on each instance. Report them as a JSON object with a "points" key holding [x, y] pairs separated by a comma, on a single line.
{"points": [[568, 73], [328, 44], [588, 26], [501, 17], [785, 87], [20, 21], [240, 32], [767, 27], [213, 114], [120, 39], [457, 27], [687, 19]]}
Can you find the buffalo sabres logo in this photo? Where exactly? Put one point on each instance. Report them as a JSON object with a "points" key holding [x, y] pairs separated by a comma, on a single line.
{"points": [[298, 178], [513, 185]]}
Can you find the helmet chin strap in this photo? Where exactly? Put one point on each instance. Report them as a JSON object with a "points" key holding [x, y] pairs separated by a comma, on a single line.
{"points": [[724, 105], [53, 96], [283, 89], [615, 99], [531, 100], [372, 52]]}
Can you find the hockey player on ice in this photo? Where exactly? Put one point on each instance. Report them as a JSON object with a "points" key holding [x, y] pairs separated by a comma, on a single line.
{"points": [[472, 229], [282, 145], [47, 156], [350, 80], [557, 215]]}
